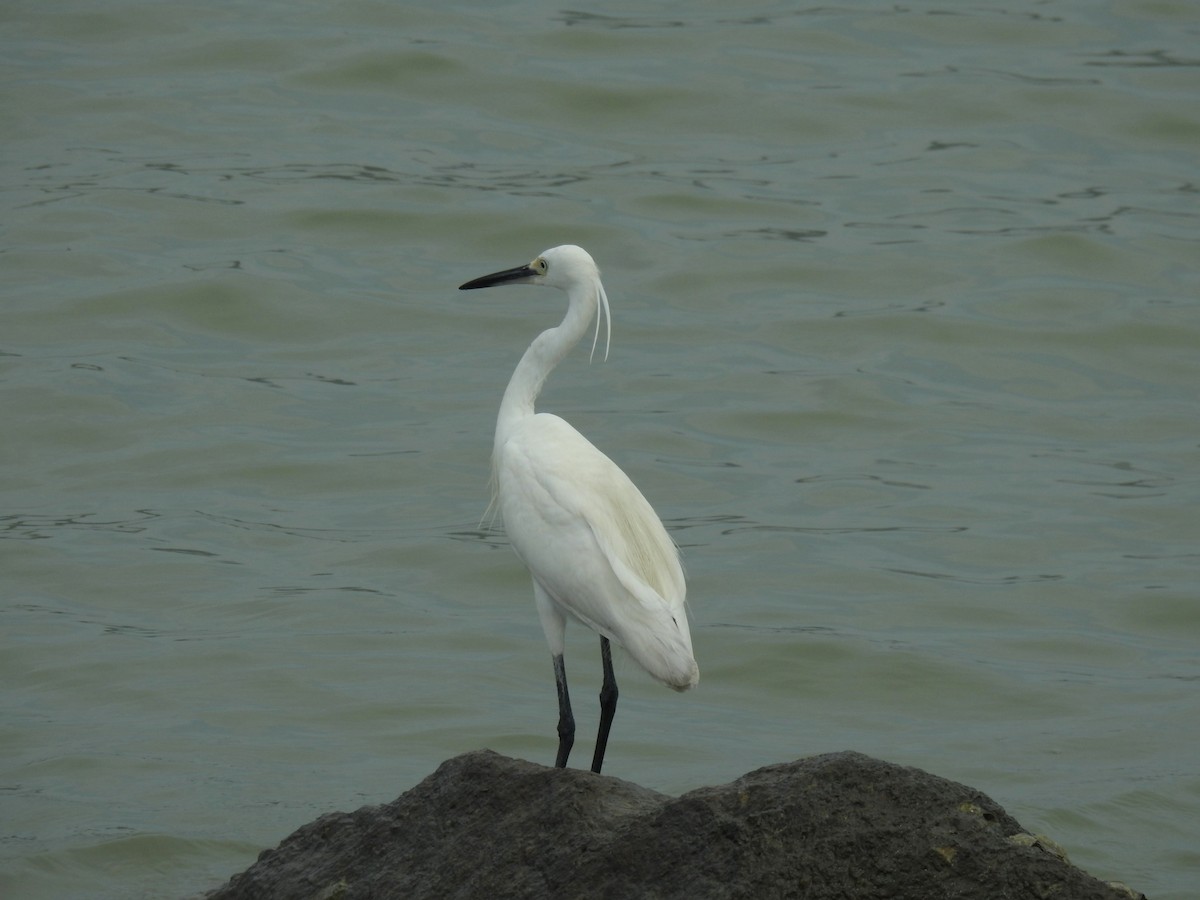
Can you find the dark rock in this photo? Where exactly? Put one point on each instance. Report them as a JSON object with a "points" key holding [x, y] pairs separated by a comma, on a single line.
{"points": [[842, 825]]}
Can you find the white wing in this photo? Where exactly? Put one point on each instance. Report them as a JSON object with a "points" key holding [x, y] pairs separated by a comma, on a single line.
{"points": [[595, 545]]}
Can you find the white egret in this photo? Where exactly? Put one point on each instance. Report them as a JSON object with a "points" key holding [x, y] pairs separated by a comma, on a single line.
{"points": [[593, 544]]}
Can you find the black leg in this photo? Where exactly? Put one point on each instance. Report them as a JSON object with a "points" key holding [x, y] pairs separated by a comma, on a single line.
{"points": [[566, 721], [608, 704]]}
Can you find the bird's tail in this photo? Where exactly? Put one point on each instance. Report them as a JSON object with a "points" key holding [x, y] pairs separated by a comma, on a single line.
{"points": [[664, 649]]}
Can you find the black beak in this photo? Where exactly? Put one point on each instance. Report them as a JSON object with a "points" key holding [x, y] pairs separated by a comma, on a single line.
{"points": [[519, 275]]}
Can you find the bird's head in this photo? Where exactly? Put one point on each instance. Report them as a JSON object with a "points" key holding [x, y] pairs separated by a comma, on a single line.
{"points": [[567, 267], [561, 267]]}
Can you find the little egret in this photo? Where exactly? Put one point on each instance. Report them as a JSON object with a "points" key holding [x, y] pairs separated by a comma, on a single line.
{"points": [[593, 544]]}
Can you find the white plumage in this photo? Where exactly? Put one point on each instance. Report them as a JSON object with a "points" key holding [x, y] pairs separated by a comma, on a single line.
{"points": [[593, 544]]}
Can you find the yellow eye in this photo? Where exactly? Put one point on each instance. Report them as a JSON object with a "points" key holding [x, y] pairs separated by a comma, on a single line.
{"points": [[539, 266]]}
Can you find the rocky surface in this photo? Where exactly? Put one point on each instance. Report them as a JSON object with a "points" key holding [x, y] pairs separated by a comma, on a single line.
{"points": [[841, 825]]}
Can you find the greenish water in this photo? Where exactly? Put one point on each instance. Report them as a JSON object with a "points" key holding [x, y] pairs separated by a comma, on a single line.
{"points": [[907, 312]]}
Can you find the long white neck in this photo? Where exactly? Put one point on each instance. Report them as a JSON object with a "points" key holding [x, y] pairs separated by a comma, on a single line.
{"points": [[546, 352]]}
